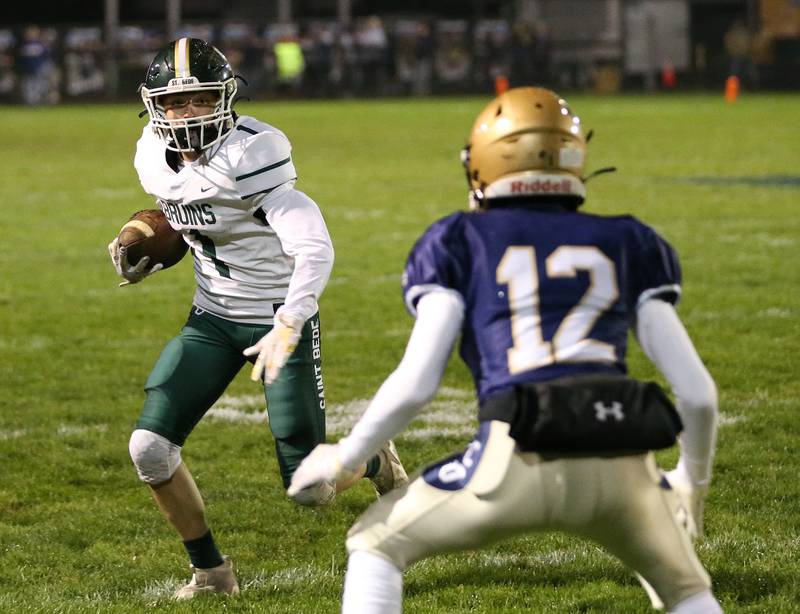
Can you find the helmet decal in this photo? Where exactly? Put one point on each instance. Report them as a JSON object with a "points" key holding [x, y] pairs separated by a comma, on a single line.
{"points": [[182, 65]]}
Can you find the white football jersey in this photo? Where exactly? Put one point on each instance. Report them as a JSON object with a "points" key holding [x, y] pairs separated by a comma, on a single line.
{"points": [[244, 223]]}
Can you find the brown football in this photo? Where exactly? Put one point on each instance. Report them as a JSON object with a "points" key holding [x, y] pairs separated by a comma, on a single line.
{"points": [[148, 233]]}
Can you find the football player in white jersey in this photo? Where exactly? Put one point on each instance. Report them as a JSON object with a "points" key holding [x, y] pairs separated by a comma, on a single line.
{"points": [[262, 257], [543, 297]]}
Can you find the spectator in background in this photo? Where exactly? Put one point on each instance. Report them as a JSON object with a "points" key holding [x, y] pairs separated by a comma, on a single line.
{"points": [[39, 77], [542, 53], [452, 61], [289, 62], [83, 70], [8, 78], [345, 75], [317, 44], [373, 54], [134, 52], [523, 49], [413, 48], [245, 50], [492, 52], [738, 46]]}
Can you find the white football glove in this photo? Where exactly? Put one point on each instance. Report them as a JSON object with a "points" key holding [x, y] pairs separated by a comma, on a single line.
{"points": [[322, 465], [691, 499], [275, 347], [131, 274]]}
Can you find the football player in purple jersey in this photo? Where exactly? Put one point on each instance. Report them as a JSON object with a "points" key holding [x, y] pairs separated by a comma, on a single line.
{"points": [[542, 296]]}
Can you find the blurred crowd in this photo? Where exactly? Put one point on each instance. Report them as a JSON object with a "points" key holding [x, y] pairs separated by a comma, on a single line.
{"points": [[369, 57], [384, 57]]}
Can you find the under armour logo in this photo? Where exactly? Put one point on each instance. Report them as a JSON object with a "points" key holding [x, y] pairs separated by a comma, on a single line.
{"points": [[601, 412]]}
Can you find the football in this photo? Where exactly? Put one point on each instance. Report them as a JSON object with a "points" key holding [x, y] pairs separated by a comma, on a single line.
{"points": [[148, 233]]}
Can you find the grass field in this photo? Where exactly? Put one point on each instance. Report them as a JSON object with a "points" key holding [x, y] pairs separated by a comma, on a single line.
{"points": [[79, 532]]}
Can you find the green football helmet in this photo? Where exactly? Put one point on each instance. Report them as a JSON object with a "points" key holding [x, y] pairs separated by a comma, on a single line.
{"points": [[186, 66]]}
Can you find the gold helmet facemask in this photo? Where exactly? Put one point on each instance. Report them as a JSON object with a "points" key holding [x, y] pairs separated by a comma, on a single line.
{"points": [[526, 142]]}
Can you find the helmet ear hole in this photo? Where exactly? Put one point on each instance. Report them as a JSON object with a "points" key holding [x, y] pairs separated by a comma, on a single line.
{"points": [[499, 111]]}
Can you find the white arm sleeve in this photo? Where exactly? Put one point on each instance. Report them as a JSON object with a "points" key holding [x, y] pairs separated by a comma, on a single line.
{"points": [[414, 382], [298, 222], [667, 344]]}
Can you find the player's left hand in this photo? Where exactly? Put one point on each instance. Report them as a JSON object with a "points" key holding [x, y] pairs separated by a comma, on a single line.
{"points": [[322, 465], [274, 348]]}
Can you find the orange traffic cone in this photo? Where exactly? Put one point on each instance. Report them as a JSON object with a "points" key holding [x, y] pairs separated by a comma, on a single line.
{"points": [[668, 77], [731, 89], [500, 84]]}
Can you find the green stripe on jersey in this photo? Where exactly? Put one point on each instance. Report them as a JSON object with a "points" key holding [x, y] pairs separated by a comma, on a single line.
{"points": [[265, 169]]}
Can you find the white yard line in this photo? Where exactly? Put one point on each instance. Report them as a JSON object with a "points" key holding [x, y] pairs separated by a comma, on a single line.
{"points": [[729, 419], [775, 312], [12, 434], [449, 415], [452, 414], [80, 429]]}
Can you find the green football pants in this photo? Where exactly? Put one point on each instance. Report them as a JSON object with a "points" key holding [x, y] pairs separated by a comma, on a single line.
{"points": [[196, 366]]}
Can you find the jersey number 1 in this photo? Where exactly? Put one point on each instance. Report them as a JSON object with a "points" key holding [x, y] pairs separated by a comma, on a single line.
{"points": [[570, 342], [210, 251]]}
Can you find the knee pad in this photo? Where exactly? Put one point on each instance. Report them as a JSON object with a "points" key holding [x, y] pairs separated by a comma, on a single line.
{"points": [[319, 494], [156, 458]]}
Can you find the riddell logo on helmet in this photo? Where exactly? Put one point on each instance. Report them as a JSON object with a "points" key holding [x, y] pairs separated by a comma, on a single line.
{"points": [[538, 187]]}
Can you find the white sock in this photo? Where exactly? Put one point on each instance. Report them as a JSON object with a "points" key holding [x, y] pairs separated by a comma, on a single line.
{"points": [[372, 585], [701, 603]]}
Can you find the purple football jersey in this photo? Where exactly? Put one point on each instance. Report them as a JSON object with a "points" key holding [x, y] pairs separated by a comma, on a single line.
{"points": [[547, 293]]}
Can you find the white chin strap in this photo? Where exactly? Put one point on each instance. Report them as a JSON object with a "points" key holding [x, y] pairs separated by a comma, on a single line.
{"points": [[530, 184]]}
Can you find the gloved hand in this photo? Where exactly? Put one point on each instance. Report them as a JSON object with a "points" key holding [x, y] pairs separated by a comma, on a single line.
{"points": [[275, 347], [131, 274], [322, 465], [691, 498]]}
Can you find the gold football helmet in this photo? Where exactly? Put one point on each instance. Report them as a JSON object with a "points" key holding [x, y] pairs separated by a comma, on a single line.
{"points": [[526, 142]]}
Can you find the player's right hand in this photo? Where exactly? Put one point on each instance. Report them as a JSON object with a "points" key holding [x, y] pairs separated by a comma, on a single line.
{"points": [[691, 501], [131, 274]]}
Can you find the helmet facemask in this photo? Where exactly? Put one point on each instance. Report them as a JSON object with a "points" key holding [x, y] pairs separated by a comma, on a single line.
{"points": [[191, 134]]}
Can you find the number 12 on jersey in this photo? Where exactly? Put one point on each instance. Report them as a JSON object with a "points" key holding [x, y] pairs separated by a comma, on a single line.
{"points": [[571, 341]]}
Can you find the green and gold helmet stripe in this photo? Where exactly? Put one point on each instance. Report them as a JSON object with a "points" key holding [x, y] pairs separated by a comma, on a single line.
{"points": [[182, 67]]}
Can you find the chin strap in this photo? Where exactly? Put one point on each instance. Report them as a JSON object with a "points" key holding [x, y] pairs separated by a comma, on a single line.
{"points": [[599, 171]]}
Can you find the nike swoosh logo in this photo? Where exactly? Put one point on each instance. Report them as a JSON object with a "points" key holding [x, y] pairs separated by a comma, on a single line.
{"points": [[206, 189]]}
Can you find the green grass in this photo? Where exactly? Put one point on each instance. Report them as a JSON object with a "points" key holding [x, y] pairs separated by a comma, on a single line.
{"points": [[79, 533]]}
